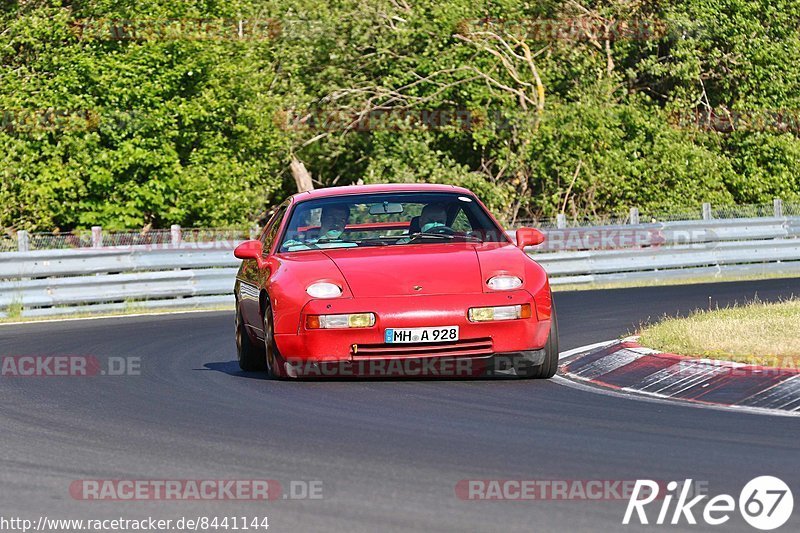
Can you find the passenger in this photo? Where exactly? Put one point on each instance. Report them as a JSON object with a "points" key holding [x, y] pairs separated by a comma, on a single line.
{"points": [[432, 216]]}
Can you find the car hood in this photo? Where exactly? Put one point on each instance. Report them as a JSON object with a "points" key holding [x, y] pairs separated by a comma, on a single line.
{"points": [[410, 269]]}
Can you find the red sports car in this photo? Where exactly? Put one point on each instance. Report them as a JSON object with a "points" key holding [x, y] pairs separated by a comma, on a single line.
{"points": [[400, 280]]}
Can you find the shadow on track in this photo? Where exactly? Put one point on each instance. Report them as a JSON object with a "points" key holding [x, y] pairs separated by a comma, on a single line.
{"points": [[231, 368]]}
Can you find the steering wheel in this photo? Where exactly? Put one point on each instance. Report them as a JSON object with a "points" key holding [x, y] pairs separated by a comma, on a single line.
{"points": [[441, 230]]}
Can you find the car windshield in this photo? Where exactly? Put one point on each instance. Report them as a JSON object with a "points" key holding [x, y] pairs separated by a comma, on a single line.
{"points": [[388, 219]]}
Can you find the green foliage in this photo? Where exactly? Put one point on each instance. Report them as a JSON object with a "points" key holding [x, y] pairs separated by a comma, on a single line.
{"points": [[182, 122], [765, 166], [412, 158], [15, 308], [178, 131], [620, 155]]}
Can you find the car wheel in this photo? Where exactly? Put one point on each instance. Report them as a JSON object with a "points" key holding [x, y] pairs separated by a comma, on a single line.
{"points": [[250, 355], [274, 361], [550, 365]]}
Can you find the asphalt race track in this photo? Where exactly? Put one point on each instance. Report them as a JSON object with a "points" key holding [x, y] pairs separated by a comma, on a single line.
{"points": [[388, 453]]}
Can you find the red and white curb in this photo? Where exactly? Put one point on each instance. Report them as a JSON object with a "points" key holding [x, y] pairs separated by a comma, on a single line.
{"points": [[626, 366]]}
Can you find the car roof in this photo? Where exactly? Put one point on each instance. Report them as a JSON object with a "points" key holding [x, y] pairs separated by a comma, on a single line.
{"points": [[377, 188]]}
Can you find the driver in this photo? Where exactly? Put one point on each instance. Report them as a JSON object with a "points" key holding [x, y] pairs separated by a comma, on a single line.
{"points": [[432, 216], [333, 220]]}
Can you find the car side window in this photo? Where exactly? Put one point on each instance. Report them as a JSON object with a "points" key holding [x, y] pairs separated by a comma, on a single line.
{"points": [[272, 229], [461, 222]]}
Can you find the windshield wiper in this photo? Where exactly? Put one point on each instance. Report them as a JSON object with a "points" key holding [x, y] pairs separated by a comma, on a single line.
{"points": [[431, 236], [445, 236]]}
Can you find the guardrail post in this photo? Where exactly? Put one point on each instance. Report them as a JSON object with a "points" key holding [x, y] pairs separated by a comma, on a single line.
{"points": [[706, 211], [561, 221], [23, 241], [175, 235], [777, 205], [97, 237], [634, 215]]}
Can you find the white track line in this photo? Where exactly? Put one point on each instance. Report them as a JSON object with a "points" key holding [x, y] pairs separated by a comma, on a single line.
{"points": [[570, 353], [643, 396], [104, 317]]}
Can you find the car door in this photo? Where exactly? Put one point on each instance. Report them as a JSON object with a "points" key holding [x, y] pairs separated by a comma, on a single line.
{"points": [[252, 278]]}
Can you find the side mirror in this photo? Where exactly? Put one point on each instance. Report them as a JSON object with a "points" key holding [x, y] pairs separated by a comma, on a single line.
{"points": [[529, 237], [249, 250]]}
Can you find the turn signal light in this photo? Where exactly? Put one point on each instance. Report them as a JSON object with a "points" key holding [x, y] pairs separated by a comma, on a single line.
{"points": [[505, 312], [355, 320]]}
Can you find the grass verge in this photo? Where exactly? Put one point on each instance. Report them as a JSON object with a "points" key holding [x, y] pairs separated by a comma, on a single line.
{"points": [[757, 333]]}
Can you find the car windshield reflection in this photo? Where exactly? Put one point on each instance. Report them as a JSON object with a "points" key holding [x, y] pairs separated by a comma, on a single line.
{"points": [[388, 219]]}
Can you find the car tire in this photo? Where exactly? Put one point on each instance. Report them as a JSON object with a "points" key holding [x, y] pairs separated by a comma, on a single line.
{"points": [[250, 355], [550, 365], [274, 361]]}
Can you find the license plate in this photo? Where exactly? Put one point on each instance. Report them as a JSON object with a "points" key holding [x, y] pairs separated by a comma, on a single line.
{"points": [[407, 335]]}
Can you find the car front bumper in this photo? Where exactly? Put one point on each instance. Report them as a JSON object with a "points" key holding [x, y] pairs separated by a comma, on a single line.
{"points": [[362, 351]]}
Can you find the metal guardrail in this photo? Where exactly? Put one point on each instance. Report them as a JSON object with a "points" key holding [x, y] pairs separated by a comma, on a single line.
{"points": [[51, 263], [49, 292], [186, 274], [682, 261], [668, 233], [54, 282]]}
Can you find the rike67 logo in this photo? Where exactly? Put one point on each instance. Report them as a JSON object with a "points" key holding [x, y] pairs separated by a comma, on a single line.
{"points": [[765, 503]]}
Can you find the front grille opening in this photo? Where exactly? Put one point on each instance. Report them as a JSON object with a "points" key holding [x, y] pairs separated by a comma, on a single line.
{"points": [[460, 348]]}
